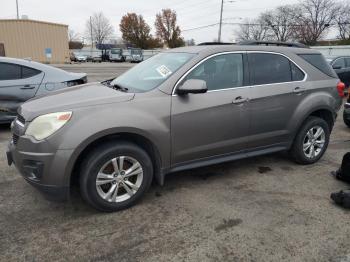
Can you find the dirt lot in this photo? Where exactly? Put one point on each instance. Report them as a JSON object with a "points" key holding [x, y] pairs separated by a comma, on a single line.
{"points": [[260, 209]]}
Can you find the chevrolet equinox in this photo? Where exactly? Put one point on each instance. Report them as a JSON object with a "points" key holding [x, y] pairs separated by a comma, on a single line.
{"points": [[181, 109]]}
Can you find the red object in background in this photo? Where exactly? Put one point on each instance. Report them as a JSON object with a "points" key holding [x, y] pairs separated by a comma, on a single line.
{"points": [[341, 89]]}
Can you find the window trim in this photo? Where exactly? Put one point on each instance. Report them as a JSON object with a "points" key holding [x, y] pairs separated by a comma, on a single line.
{"points": [[244, 86]]}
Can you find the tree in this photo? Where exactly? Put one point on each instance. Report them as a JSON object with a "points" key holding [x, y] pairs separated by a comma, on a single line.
{"points": [[72, 35], [136, 32], [167, 28], [343, 22], [98, 28], [190, 42], [280, 22], [252, 30], [313, 19]]}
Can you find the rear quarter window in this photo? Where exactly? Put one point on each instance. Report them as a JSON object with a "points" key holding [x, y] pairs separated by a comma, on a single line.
{"points": [[318, 61]]}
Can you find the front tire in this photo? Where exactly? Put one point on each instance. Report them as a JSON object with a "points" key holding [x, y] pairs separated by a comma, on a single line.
{"points": [[311, 141], [115, 176]]}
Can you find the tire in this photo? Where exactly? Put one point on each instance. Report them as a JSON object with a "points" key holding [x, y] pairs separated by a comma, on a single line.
{"points": [[346, 121], [303, 138], [99, 167]]}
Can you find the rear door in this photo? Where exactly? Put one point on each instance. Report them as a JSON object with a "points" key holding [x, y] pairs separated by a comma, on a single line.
{"points": [[277, 88], [214, 123], [17, 84]]}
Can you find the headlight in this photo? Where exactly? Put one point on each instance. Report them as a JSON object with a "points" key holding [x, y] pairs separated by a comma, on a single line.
{"points": [[45, 125]]}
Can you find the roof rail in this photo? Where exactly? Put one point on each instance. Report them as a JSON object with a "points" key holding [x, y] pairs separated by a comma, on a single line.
{"points": [[273, 43], [216, 43]]}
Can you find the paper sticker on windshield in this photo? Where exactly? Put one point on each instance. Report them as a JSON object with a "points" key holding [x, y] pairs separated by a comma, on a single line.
{"points": [[163, 71]]}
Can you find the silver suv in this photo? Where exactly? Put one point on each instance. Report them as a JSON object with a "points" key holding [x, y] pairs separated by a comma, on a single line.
{"points": [[181, 109]]}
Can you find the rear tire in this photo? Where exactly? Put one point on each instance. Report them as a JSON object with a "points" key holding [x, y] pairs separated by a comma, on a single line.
{"points": [[311, 141], [115, 176], [346, 121]]}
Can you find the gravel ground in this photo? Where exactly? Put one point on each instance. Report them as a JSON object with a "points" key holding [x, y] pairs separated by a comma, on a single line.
{"points": [[260, 209]]}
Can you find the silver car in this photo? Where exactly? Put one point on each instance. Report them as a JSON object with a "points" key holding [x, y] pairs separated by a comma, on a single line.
{"points": [[21, 80], [181, 109]]}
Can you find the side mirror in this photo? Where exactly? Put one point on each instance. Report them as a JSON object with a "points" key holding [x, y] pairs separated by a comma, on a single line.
{"points": [[192, 86], [336, 66]]}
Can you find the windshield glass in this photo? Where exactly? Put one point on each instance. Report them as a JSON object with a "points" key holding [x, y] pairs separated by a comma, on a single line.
{"points": [[136, 51], [115, 51], [152, 72]]}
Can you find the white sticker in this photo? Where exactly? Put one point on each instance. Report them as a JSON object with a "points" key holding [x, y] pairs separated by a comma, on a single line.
{"points": [[163, 71]]}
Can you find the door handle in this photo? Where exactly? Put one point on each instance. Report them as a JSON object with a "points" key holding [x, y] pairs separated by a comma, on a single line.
{"points": [[299, 90], [239, 100], [28, 87]]}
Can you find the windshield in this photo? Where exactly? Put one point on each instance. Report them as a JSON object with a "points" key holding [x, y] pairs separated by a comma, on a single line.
{"points": [[136, 51], [115, 51], [152, 72]]}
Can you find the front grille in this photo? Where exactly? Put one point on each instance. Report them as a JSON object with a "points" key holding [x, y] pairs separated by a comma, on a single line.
{"points": [[21, 119], [15, 139]]}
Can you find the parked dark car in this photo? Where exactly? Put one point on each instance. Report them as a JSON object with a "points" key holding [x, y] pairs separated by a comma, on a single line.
{"points": [[21, 80], [180, 109], [341, 65]]}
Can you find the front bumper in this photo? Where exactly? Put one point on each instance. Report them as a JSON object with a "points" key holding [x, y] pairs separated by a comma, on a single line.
{"points": [[40, 165]]}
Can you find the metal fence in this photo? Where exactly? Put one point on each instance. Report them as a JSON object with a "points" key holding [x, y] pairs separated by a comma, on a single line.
{"points": [[337, 50]]}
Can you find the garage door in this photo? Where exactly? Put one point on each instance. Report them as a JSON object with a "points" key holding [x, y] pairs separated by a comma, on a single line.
{"points": [[2, 49]]}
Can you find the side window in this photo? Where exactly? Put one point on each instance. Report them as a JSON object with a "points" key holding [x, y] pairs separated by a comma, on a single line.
{"points": [[29, 72], [347, 62], [220, 72], [297, 74], [10, 71], [269, 68], [339, 62]]}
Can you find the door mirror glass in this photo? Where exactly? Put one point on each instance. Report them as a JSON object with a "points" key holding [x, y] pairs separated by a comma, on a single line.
{"points": [[192, 86]]}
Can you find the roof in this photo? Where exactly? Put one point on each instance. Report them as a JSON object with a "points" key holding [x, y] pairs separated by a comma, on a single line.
{"points": [[30, 21], [229, 48]]}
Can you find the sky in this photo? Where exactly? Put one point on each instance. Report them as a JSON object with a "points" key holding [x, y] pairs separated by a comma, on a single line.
{"points": [[191, 13]]}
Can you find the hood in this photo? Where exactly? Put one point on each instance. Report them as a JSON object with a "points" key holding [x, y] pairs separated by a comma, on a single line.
{"points": [[73, 97]]}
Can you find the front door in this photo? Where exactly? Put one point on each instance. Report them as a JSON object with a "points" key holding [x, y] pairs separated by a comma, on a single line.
{"points": [[17, 85], [214, 123]]}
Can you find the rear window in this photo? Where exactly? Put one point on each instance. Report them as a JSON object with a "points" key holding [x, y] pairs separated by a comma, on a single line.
{"points": [[318, 61]]}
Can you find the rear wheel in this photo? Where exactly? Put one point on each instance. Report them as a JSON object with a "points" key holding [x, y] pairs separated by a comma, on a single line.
{"points": [[115, 176], [346, 121], [311, 141]]}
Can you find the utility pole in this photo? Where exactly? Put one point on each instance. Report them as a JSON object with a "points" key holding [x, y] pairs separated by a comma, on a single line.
{"points": [[92, 40], [17, 9], [220, 25]]}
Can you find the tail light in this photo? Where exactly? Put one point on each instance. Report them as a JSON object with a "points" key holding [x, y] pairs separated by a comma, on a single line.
{"points": [[341, 89]]}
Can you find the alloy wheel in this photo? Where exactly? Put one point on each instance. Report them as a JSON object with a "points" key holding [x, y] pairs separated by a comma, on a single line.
{"points": [[314, 142], [119, 179]]}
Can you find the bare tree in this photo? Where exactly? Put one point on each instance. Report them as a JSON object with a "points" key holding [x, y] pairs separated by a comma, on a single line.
{"points": [[98, 28], [72, 35], [252, 30], [313, 19], [167, 28], [343, 21], [280, 22]]}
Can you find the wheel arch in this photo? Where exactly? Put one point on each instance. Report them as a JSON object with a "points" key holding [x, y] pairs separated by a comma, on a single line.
{"points": [[72, 172]]}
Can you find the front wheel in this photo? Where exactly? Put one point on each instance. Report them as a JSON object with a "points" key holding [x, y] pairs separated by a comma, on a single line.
{"points": [[311, 141], [115, 176]]}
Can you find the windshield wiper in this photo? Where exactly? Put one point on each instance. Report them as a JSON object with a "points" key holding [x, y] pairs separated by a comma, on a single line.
{"points": [[120, 88]]}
